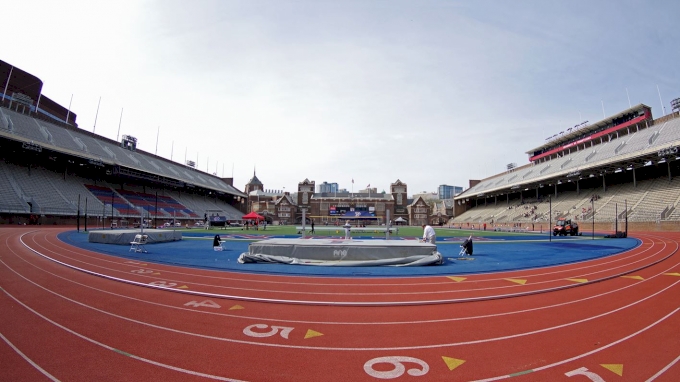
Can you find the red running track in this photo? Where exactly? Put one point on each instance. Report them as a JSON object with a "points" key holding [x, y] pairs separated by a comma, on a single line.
{"points": [[71, 314]]}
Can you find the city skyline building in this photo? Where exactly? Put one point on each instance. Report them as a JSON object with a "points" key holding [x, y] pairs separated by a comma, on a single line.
{"points": [[328, 187], [448, 192]]}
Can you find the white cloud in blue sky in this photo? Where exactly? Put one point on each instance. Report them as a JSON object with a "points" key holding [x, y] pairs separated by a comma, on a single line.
{"points": [[430, 92]]}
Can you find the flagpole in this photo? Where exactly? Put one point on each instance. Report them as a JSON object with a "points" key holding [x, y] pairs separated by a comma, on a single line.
{"points": [[96, 114], [158, 132], [37, 105], [9, 77], [69, 109], [119, 122], [663, 109]]}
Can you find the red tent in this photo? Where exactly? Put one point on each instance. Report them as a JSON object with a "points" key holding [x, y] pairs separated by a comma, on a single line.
{"points": [[253, 216]]}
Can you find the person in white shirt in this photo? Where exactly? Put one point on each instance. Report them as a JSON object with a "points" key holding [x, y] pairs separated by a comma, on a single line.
{"points": [[429, 236]]}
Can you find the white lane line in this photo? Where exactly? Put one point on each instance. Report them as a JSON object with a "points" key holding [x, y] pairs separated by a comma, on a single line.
{"points": [[344, 303], [30, 361], [587, 353], [660, 273], [655, 376], [121, 352], [431, 346]]}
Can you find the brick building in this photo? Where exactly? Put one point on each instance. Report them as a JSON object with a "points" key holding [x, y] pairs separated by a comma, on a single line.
{"points": [[331, 207]]}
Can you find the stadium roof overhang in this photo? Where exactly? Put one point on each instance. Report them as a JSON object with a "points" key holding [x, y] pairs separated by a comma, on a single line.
{"points": [[653, 155], [90, 159], [575, 132]]}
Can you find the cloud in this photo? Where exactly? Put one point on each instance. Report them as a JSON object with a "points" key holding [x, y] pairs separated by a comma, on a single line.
{"points": [[431, 93]]}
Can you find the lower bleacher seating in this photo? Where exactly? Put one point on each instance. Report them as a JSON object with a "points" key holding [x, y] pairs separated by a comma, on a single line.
{"points": [[646, 201], [109, 197]]}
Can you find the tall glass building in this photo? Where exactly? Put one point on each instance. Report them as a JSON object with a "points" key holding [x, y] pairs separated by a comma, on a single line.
{"points": [[448, 192], [328, 187]]}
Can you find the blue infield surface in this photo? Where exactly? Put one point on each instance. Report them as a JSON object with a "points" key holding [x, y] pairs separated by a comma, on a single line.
{"points": [[491, 254]]}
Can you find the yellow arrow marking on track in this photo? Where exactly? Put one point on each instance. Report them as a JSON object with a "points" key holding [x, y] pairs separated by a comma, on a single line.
{"points": [[579, 280], [456, 279], [183, 287], [453, 363], [672, 274], [615, 368], [312, 333], [143, 265], [634, 277], [156, 274], [517, 281], [236, 307]]}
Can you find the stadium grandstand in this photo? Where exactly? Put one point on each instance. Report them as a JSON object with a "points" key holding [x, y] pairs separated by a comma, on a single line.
{"points": [[52, 171], [622, 168]]}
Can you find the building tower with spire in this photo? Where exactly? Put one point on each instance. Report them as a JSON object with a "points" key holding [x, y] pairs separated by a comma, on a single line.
{"points": [[253, 184]]}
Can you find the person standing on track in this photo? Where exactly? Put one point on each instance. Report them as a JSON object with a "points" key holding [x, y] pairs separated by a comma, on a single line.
{"points": [[429, 236]]}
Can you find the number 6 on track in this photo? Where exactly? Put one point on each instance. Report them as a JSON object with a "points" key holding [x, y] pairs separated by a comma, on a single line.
{"points": [[399, 367]]}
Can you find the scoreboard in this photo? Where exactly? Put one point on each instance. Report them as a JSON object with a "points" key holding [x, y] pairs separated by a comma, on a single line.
{"points": [[343, 209], [338, 210]]}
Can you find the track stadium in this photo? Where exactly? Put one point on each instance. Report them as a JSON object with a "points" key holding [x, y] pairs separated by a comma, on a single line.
{"points": [[574, 275]]}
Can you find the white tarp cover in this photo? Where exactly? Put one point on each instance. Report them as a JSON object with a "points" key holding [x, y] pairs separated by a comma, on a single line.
{"points": [[340, 252], [410, 261]]}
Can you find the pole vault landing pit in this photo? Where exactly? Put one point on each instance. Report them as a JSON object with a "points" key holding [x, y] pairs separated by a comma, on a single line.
{"points": [[125, 236], [341, 252]]}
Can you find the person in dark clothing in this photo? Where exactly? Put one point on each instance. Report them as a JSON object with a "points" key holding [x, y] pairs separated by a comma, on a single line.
{"points": [[217, 242], [312, 227]]}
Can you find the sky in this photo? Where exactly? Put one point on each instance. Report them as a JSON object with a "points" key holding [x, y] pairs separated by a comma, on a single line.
{"points": [[427, 92]]}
